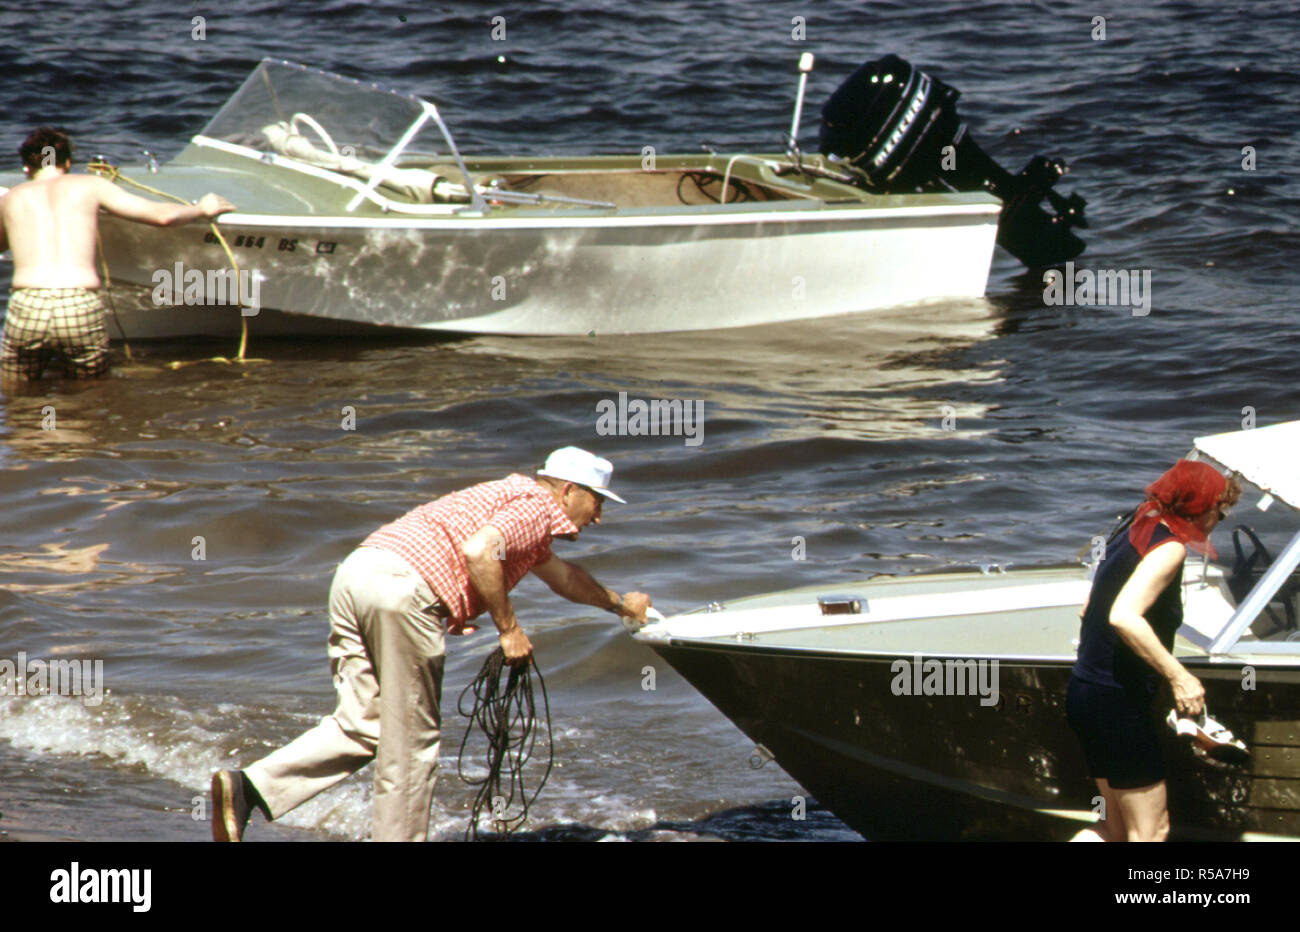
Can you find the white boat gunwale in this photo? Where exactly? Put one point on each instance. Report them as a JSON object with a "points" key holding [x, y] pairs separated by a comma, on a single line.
{"points": [[811, 209], [1231, 643]]}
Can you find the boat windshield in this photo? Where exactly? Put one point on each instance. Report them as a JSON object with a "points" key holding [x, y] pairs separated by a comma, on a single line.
{"points": [[1259, 551], [1259, 537], [313, 116]]}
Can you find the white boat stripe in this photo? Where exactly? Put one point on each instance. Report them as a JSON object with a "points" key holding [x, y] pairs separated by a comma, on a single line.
{"points": [[603, 222], [824, 214]]}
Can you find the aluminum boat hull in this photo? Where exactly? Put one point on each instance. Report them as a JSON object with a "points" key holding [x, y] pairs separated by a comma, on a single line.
{"points": [[940, 768], [623, 272], [949, 767]]}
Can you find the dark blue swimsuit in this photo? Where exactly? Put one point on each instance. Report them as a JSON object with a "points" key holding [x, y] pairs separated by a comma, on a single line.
{"points": [[1108, 704]]}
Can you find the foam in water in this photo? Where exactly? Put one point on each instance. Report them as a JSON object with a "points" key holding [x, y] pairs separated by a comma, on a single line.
{"points": [[168, 741], [181, 744]]}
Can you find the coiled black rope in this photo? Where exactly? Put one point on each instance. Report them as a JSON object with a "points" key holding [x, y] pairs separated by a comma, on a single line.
{"points": [[702, 180], [508, 719]]}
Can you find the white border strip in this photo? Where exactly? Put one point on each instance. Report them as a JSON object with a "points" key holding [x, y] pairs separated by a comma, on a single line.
{"points": [[823, 214], [897, 608]]}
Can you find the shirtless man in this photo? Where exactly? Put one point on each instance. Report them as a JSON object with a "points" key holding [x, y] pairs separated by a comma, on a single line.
{"points": [[50, 223]]}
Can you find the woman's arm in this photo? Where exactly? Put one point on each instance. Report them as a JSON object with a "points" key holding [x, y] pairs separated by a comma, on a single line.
{"points": [[1128, 617]]}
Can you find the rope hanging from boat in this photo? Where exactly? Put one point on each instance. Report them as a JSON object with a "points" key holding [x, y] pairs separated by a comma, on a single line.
{"points": [[508, 719], [108, 293], [114, 174]]}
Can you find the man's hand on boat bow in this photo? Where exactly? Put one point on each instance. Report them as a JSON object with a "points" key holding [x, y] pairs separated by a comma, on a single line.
{"points": [[214, 205], [632, 607]]}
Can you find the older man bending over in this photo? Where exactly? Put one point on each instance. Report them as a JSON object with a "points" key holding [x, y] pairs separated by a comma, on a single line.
{"points": [[425, 575]]}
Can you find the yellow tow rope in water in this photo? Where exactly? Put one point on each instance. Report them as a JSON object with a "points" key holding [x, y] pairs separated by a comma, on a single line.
{"points": [[113, 173], [108, 293]]}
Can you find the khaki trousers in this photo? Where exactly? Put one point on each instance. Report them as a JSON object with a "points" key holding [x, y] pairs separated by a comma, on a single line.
{"points": [[386, 655]]}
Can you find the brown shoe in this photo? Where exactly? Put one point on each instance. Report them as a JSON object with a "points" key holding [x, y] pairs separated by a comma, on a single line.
{"points": [[230, 810]]}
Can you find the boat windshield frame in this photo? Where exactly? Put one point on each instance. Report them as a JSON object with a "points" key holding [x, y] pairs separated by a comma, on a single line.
{"points": [[428, 112], [1255, 601]]}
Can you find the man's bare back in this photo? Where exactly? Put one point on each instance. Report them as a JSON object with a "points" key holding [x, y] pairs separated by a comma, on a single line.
{"points": [[50, 222]]}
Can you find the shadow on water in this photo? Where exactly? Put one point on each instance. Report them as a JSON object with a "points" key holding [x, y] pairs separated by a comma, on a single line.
{"points": [[862, 375], [766, 821]]}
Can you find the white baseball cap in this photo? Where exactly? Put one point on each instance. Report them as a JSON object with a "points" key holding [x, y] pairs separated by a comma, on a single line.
{"points": [[575, 465]]}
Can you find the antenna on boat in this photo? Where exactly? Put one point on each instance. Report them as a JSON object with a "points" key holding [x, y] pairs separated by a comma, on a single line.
{"points": [[805, 66]]}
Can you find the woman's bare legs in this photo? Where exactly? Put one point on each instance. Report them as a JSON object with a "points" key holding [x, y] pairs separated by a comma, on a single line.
{"points": [[1139, 814]]}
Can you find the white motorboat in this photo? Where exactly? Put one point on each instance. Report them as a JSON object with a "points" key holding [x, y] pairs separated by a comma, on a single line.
{"points": [[356, 209]]}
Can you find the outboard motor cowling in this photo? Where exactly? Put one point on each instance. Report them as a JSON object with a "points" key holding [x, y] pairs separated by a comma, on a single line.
{"points": [[891, 124]]}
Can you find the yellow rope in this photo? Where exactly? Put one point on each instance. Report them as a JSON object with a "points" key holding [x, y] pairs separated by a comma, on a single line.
{"points": [[114, 174], [108, 293]]}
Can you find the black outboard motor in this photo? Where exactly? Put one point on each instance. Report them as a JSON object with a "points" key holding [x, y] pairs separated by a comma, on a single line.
{"points": [[890, 123]]}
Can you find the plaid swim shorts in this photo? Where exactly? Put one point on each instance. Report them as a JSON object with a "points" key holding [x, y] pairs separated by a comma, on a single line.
{"points": [[44, 322]]}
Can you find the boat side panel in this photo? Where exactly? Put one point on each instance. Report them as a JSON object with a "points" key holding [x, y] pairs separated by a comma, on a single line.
{"points": [[903, 766], [1261, 706], [636, 278], [949, 767]]}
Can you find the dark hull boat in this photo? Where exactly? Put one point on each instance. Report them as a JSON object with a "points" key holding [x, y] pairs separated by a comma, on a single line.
{"points": [[933, 707]]}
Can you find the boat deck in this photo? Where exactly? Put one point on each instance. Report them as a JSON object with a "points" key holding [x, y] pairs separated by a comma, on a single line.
{"points": [[614, 184], [1031, 614]]}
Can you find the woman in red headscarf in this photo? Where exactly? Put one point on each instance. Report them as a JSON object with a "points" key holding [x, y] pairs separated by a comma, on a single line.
{"points": [[1125, 643]]}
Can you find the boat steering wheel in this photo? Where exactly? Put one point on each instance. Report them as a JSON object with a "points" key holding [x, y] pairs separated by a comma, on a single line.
{"points": [[320, 130]]}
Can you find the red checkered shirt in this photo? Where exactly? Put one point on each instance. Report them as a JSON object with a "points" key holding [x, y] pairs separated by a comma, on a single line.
{"points": [[430, 538]]}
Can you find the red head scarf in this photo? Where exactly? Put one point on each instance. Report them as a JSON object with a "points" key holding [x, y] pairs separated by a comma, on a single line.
{"points": [[1179, 497]]}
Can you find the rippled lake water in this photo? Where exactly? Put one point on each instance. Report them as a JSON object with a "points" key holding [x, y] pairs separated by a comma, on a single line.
{"points": [[828, 431]]}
